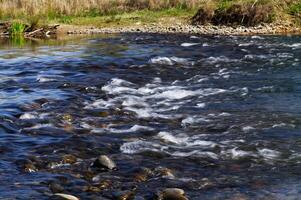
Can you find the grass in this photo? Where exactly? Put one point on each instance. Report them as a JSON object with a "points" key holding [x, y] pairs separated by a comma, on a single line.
{"points": [[106, 13], [295, 9], [139, 17], [17, 28]]}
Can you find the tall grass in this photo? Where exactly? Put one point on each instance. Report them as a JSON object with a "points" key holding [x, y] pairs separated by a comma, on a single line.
{"points": [[55, 8], [247, 12]]}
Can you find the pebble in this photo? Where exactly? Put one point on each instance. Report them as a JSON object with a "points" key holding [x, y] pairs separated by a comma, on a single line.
{"points": [[69, 159], [104, 162]]}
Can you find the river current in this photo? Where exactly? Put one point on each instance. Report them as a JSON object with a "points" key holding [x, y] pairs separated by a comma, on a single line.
{"points": [[218, 116]]}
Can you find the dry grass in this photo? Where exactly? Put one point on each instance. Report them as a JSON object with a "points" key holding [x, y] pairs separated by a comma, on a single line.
{"points": [[245, 12], [54, 8]]}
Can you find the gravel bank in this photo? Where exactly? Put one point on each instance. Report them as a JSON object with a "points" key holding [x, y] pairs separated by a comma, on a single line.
{"points": [[276, 28]]}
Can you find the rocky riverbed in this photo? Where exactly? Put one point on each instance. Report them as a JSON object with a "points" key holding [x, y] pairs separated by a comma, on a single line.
{"points": [[151, 117]]}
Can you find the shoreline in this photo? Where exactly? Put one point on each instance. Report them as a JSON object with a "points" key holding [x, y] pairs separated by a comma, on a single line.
{"points": [[279, 28]]}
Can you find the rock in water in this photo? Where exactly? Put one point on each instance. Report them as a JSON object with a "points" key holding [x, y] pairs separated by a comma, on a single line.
{"points": [[104, 162], [65, 196], [56, 188], [172, 194]]}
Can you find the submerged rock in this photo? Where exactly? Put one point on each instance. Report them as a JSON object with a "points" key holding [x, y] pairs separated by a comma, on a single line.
{"points": [[164, 172], [104, 162], [69, 159], [27, 166], [172, 194], [56, 188], [143, 175], [124, 195]]}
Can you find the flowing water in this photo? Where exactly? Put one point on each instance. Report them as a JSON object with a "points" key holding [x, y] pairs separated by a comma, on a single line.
{"points": [[219, 117]]}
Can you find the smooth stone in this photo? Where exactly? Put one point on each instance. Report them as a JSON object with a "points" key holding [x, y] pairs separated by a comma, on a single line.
{"points": [[66, 196], [172, 194], [104, 162]]}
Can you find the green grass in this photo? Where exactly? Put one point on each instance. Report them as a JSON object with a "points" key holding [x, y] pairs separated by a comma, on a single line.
{"points": [[127, 18], [17, 28], [295, 9]]}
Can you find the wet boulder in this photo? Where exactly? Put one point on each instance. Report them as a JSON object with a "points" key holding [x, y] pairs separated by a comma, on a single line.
{"points": [[103, 162]]}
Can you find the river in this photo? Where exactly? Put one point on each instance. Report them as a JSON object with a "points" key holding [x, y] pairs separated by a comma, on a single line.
{"points": [[218, 116]]}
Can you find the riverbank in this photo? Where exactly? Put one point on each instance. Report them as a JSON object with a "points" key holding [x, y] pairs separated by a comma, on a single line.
{"points": [[262, 29], [212, 17]]}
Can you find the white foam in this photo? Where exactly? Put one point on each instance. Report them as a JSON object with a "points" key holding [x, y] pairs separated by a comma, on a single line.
{"points": [[247, 128], [193, 120], [197, 153], [295, 45], [39, 126], [168, 137], [237, 154], [48, 78], [138, 146], [33, 115], [28, 116], [245, 44], [220, 59], [174, 94], [189, 44], [269, 154], [153, 100], [257, 37], [170, 61], [201, 105], [134, 128], [134, 101]]}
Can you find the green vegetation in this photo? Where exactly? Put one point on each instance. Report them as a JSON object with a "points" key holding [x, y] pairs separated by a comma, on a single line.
{"points": [[17, 28], [166, 16], [295, 9]]}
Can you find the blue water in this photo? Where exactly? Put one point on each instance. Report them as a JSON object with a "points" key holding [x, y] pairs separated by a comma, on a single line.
{"points": [[222, 113]]}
